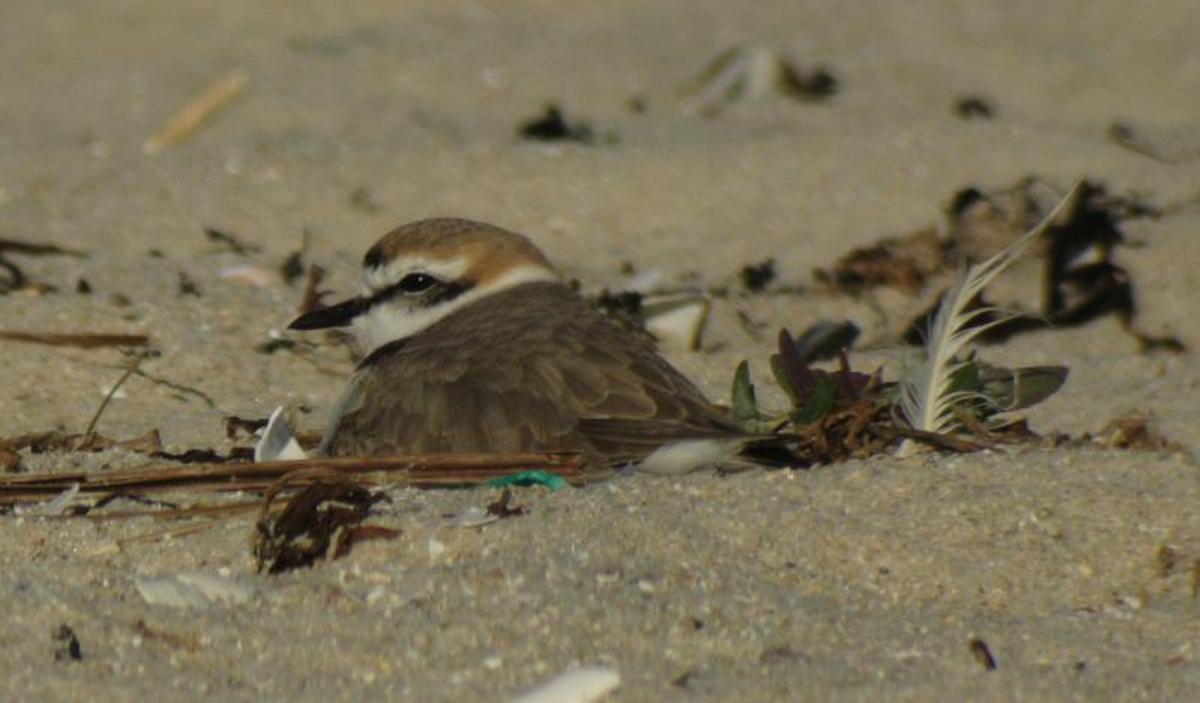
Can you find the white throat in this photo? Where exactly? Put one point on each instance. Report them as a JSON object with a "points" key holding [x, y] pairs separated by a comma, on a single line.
{"points": [[385, 323]]}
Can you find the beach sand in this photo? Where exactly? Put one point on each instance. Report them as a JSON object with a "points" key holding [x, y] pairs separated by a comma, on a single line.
{"points": [[1076, 566]]}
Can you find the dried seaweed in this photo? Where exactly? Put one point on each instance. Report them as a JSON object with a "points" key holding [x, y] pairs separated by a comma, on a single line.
{"points": [[313, 295], [69, 649], [236, 427], [982, 653], [1135, 431], [230, 242], [756, 277], [503, 508], [552, 125], [13, 277], [904, 263], [971, 107], [316, 523]]}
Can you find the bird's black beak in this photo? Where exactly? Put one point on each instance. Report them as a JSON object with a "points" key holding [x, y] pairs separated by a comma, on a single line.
{"points": [[338, 315]]}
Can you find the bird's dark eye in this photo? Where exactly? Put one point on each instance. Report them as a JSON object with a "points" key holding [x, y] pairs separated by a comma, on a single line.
{"points": [[416, 282]]}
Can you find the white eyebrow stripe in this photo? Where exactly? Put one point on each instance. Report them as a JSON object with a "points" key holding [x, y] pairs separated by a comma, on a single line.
{"points": [[381, 277], [385, 323]]}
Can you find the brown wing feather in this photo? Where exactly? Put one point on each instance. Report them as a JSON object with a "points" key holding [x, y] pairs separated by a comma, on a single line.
{"points": [[534, 368]]}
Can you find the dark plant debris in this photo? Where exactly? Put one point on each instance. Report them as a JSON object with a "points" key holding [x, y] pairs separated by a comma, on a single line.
{"points": [[972, 107], [362, 200], [69, 648], [813, 84], [982, 654], [293, 267], [230, 242], [149, 444], [313, 295], [1165, 560], [825, 339], [13, 277], [552, 125], [756, 277], [57, 441], [1081, 280], [273, 345], [238, 427], [322, 521], [190, 643], [904, 263], [10, 460], [1135, 431], [503, 508], [206, 456], [187, 286]]}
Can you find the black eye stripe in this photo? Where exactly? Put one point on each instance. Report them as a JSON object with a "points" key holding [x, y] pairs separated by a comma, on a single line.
{"points": [[428, 289]]}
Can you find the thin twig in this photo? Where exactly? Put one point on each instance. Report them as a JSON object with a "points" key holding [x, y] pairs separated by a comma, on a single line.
{"points": [[159, 380], [419, 470], [91, 427], [192, 116], [81, 340]]}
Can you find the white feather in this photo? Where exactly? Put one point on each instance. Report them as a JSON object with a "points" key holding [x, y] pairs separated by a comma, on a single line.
{"points": [[690, 455], [926, 399]]}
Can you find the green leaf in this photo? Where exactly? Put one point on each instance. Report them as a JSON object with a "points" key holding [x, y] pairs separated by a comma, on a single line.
{"points": [[1014, 389], [781, 377], [819, 402], [745, 407]]}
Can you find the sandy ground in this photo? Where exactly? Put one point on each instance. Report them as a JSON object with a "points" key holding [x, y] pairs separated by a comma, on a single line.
{"points": [[865, 580]]}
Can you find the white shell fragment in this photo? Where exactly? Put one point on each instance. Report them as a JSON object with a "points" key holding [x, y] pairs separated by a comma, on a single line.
{"points": [[248, 273], [473, 516], [193, 590], [278, 442], [573, 686], [677, 321], [53, 507]]}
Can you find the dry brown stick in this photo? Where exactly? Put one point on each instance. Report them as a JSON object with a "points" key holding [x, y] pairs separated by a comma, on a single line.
{"points": [[199, 111], [83, 340], [420, 470]]}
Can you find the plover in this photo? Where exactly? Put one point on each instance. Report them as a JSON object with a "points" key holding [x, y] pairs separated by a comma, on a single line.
{"points": [[473, 344]]}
